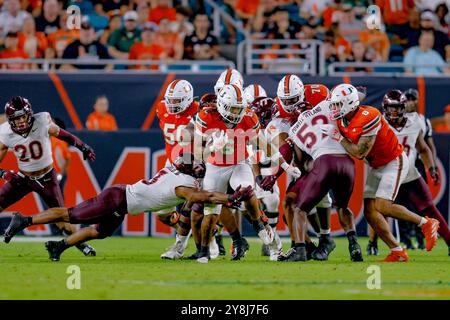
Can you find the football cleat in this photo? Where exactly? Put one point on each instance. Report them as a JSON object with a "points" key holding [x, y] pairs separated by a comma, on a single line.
{"points": [[397, 256], [176, 251], [219, 240], [355, 251], [86, 249], [372, 248], [429, 230], [194, 256], [294, 254], [240, 248], [310, 248], [328, 243], [55, 249], [275, 248], [17, 224]]}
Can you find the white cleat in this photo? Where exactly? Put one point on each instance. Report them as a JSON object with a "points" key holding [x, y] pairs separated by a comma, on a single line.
{"points": [[275, 248], [176, 251], [203, 260], [266, 235], [213, 249]]}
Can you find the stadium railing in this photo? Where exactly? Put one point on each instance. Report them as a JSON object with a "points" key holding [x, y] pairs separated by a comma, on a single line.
{"points": [[385, 69], [263, 56], [121, 66]]}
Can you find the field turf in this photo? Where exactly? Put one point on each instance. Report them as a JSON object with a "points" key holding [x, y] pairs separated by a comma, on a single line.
{"points": [[130, 268]]}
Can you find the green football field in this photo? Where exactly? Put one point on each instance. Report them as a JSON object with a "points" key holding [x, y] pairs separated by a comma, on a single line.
{"points": [[130, 268]]}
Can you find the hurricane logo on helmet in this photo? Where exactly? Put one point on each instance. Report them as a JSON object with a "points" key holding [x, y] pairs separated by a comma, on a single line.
{"points": [[230, 104], [344, 99], [290, 92]]}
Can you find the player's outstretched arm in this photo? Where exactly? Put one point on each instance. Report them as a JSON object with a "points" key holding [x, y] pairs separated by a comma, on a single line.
{"points": [[200, 196], [61, 134], [361, 149]]}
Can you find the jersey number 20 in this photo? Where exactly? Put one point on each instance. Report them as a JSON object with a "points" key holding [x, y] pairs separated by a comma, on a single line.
{"points": [[35, 148]]}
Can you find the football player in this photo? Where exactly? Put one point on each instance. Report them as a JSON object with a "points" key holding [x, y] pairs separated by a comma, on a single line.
{"points": [[229, 130], [365, 134], [332, 168], [414, 191], [170, 187], [252, 92], [28, 134], [265, 109], [175, 113]]}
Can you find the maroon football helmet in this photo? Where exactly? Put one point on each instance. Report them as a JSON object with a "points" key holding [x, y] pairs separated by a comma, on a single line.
{"points": [[394, 106], [265, 109], [15, 108], [186, 163]]}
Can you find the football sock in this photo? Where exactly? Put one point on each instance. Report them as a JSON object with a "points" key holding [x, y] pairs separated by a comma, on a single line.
{"points": [[351, 236], [236, 235], [292, 243], [300, 245], [399, 248], [273, 218]]}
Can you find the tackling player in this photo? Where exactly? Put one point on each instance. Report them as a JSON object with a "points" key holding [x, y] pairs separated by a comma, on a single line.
{"points": [[28, 135], [365, 134], [170, 187], [414, 191]]}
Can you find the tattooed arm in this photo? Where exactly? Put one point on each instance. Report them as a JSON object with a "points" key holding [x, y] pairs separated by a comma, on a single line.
{"points": [[360, 149]]}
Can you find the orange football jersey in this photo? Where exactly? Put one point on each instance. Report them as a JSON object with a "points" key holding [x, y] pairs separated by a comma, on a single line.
{"points": [[238, 136], [314, 94], [366, 121], [173, 126]]}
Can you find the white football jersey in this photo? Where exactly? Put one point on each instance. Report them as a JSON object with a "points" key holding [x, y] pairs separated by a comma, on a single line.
{"points": [[159, 192], [307, 134], [33, 152], [277, 126], [408, 136]]}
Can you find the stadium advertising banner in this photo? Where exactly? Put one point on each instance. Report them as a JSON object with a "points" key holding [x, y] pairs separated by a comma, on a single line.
{"points": [[128, 156]]}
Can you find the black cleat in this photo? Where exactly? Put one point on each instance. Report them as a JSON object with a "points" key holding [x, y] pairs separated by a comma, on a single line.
{"points": [[17, 224], [86, 249], [328, 243], [240, 248], [355, 251], [310, 248], [219, 241], [372, 248], [265, 251], [197, 254], [294, 254], [320, 254], [55, 249]]}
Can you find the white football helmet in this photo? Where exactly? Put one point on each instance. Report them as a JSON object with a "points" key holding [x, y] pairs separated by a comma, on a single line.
{"points": [[344, 98], [230, 103], [229, 76], [252, 92], [290, 92], [179, 96]]}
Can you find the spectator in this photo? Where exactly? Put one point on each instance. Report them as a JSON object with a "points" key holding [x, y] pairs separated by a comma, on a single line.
{"points": [[349, 25], [313, 8], [121, 40], [442, 124], [428, 21], [396, 15], [12, 18], [329, 48], [147, 49], [12, 51], [113, 25], [161, 11], [142, 11], [424, 54], [100, 119], [359, 54], [442, 12], [284, 27], [342, 45], [201, 45], [61, 155], [105, 6], [332, 10], [32, 42], [48, 21], [61, 38], [87, 48], [170, 41], [376, 40], [182, 26]]}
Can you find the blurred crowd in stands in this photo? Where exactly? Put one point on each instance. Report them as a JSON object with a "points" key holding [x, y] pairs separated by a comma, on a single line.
{"points": [[411, 31]]}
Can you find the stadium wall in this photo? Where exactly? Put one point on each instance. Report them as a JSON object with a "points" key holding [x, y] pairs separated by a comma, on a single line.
{"points": [[135, 152]]}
